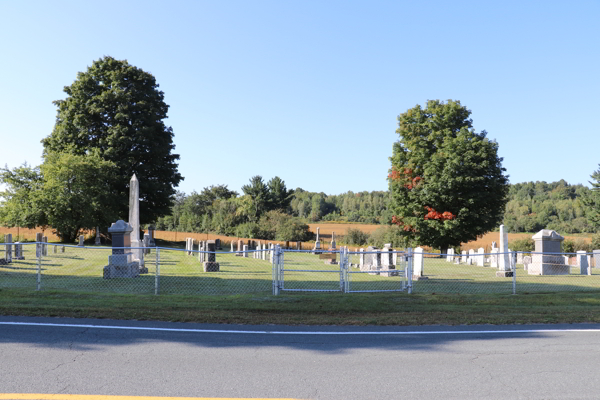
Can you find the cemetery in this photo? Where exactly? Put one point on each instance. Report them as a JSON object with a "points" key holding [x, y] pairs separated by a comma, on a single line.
{"points": [[134, 264]]}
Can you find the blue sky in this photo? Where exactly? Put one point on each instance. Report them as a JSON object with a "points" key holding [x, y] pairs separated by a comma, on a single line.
{"points": [[310, 91]]}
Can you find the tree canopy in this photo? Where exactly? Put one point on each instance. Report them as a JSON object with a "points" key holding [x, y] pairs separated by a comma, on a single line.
{"points": [[116, 110], [592, 200], [446, 180]]}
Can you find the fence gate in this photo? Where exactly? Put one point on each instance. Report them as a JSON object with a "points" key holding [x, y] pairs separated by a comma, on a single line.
{"points": [[382, 271], [334, 271]]}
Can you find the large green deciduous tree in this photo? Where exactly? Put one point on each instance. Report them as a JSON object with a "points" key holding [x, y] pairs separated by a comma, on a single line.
{"points": [[116, 110], [76, 193], [19, 206], [68, 192], [447, 181]]}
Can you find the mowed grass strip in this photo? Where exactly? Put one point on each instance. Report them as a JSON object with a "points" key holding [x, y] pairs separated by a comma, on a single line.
{"points": [[310, 308]]}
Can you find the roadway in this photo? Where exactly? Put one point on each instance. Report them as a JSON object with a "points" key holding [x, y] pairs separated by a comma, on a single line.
{"points": [[142, 358]]}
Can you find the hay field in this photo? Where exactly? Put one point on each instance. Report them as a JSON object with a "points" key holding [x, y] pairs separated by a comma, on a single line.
{"points": [[28, 234], [325, 229]]}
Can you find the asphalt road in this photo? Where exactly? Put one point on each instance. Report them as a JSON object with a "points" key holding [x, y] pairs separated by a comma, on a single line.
{"points": [[361, 363]]}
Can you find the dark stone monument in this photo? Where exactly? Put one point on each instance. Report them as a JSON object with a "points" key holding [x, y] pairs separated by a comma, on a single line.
{"points": [[121, 263], [211, 265]]}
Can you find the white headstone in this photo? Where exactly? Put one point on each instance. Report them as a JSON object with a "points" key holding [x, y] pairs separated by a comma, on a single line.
{"points": [[596, 258], [463, 257], [418, 262], [450, 255], [504, 259], [480, 257], [97, 235], [494, 257], [245, 248], [582, 262]]}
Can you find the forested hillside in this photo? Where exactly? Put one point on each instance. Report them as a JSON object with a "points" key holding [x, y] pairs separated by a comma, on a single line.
{"points": [[539, 205], [532, 206]]}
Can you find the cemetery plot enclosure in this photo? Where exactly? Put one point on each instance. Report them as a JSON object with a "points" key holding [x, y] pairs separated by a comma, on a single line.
{"points": [[48, 266]]}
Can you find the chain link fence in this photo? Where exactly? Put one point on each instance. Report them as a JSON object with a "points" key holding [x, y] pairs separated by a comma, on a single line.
{"points": [[41, 266]]}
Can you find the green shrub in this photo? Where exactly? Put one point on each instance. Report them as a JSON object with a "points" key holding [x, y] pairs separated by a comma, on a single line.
{"points": [[389, 234], [355, 237], [568, 246], [573, 246], [596, 242], [524, 244], [250, 230], [294, 230]]}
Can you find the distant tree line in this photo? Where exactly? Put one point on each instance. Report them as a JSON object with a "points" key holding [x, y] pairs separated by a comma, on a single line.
{"points": [[558, 206], [271, 211]]}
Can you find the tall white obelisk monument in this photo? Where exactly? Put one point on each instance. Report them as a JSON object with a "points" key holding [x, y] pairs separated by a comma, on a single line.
{"points": [[134, 221]]}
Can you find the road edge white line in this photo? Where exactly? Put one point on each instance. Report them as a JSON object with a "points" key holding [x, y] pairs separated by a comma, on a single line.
{"points": [[262, 332]]}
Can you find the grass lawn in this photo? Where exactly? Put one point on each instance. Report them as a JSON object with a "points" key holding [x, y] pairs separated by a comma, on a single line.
{"points": [[72, 286]]}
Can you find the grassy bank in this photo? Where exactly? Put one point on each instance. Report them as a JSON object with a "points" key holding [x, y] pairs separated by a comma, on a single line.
{"points": [[310, 309]]}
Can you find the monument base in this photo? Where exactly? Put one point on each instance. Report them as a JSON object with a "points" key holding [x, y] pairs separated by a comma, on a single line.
{"points": [[131, 270], [504, 274], [211, 266], [548, 269], [419, 278], [3, 261], [143, 270]]}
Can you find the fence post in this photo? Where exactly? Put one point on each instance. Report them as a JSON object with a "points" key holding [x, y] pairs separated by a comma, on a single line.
{"points": [[409, 272], [347, 264], [39, 267], [513, 262], [343, 271], [276, 271], [157, 272]]}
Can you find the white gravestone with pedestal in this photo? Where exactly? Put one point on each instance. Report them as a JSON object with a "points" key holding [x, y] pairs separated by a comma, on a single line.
{"points": [[97, 235], [547, 260]]}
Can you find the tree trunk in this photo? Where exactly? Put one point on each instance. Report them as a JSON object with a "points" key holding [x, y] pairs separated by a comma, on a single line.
{"points": [[443, 251]]}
